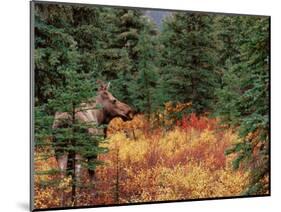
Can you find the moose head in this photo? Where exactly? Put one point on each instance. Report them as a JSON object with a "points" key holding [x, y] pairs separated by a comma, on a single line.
{"points": [[111, 106]]}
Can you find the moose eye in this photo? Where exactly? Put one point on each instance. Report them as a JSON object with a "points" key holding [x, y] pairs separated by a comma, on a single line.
{"points": [[114, 101]]}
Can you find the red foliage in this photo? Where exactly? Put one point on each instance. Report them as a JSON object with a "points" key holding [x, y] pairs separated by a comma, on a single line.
{"points": [[195, 122]]}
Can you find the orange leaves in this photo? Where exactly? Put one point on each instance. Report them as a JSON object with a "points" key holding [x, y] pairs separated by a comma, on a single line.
{"points": [[145, 164], [184, 163], [170, 108], [117, 125], [45, 196]]}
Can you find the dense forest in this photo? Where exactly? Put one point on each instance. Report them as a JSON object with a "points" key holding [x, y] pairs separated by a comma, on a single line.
{"points": [[199, 86]]}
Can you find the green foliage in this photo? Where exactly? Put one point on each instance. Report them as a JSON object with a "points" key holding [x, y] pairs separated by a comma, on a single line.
{"points": [[244, 98], [147, 76], [189, 60], [125, 34]]}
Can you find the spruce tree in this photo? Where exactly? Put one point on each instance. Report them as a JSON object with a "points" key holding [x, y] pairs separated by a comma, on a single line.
{"points": [[71, 136], [62, 85], [189, 60], [121, 54], [88, 30], [147, 76], [53, 44], [244, 99]]}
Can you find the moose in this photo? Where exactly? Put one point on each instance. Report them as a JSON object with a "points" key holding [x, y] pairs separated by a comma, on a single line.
{"points": [[109, 108]]}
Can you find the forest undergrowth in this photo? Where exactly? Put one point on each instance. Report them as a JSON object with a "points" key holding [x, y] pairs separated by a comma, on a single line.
{"points": [[144, 163]]}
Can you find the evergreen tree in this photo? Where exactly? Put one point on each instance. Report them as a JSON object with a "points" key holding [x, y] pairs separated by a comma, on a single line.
{"points": [[88, 30], [147, 75], [53, 45], [189, 60], [124, 31], [244, 99], [61, 28], [60, 67], [71, 137], [226, 31]]}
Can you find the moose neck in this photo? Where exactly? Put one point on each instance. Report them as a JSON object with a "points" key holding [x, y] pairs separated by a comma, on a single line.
{"points": [[103, 117]]}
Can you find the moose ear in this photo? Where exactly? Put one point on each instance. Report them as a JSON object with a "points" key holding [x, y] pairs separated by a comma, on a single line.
{"points": [[108, 85]]}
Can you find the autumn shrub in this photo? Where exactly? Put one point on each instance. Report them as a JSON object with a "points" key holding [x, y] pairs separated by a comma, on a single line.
{"points": [[185, 162]]}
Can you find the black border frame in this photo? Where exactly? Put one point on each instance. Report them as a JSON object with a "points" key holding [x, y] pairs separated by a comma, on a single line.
{"points": [[31, 108]]}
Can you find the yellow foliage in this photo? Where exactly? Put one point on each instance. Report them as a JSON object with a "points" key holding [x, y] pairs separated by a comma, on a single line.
{"points": [[161, 165], [117, 125], [170, 108], [44, 196], [177, 165]]}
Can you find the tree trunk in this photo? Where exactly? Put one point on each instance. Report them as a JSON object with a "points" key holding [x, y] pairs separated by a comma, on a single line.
{"points": [[73, 171]]}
